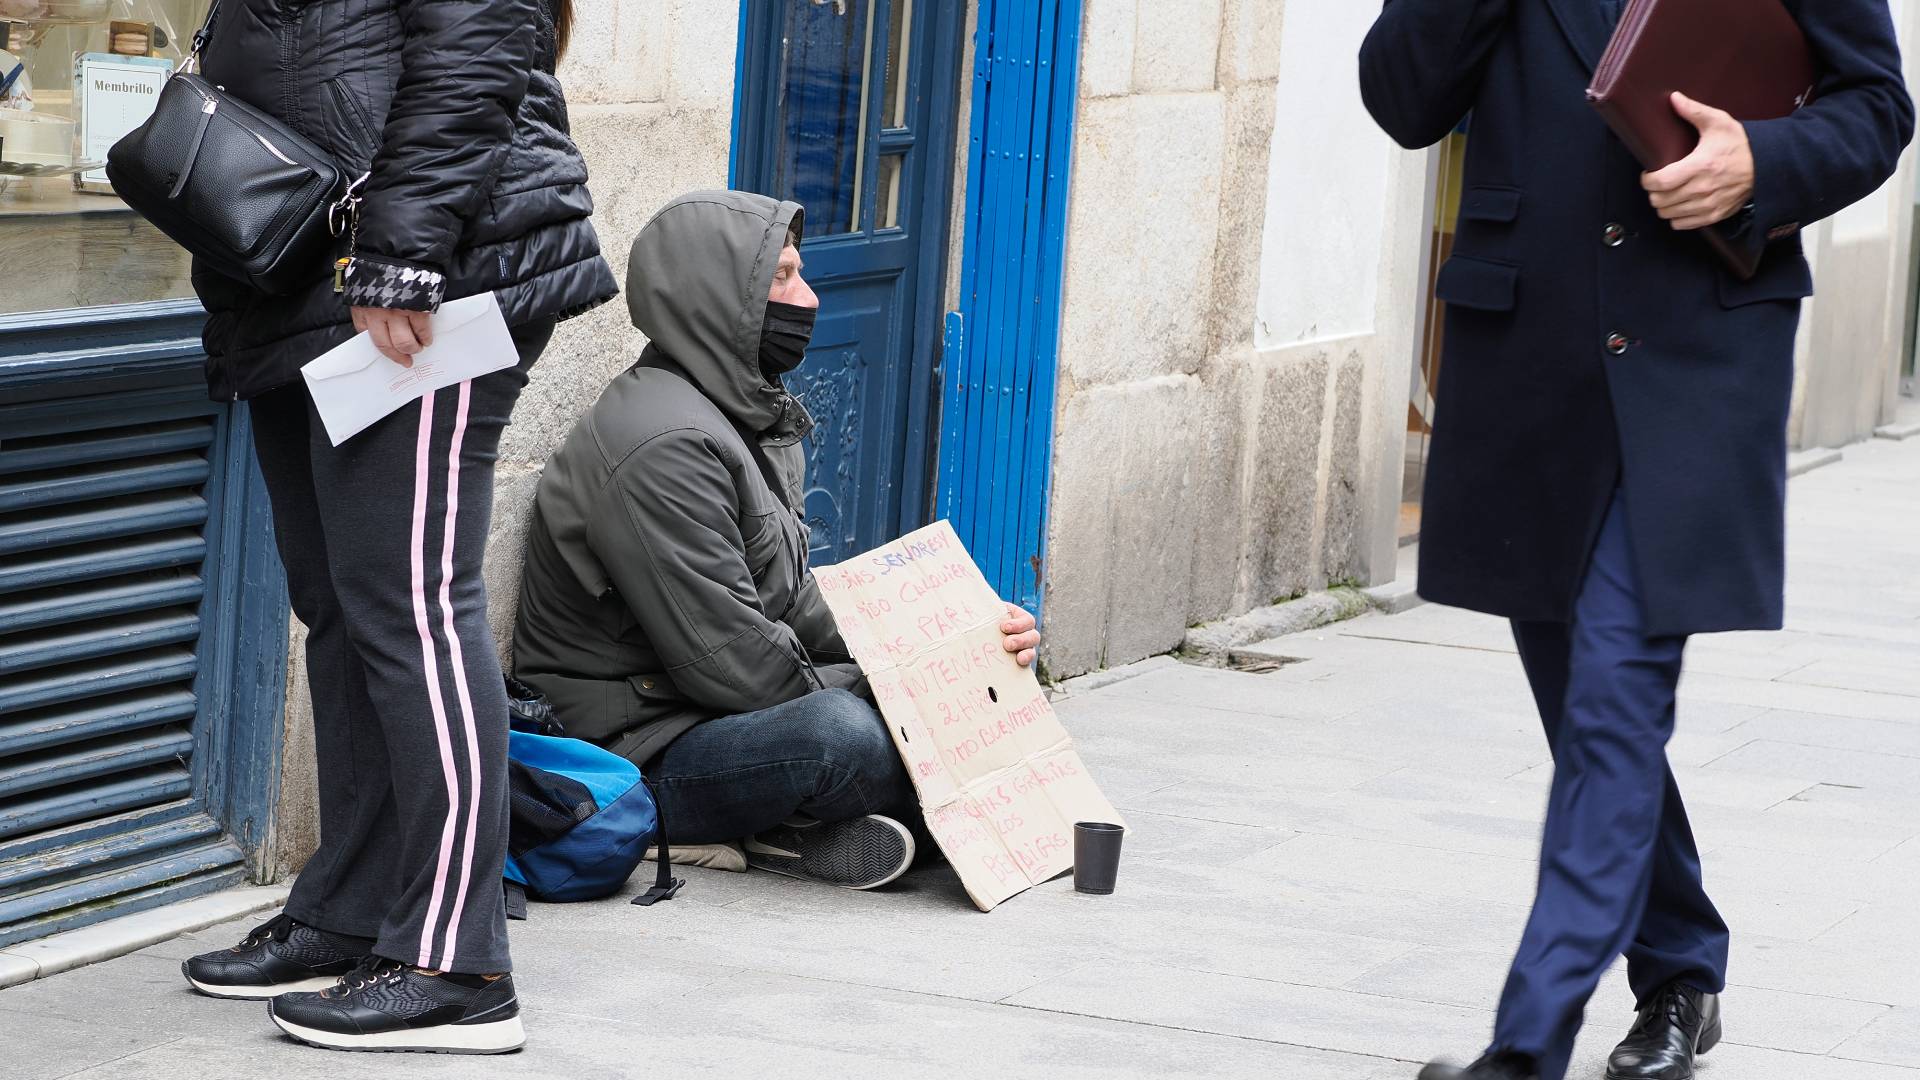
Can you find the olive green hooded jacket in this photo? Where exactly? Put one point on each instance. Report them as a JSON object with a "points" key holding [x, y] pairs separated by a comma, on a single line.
{"points": [[666, 579]]}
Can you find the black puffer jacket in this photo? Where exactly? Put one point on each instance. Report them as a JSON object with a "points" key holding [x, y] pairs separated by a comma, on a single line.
{"points": [[476, 184]]}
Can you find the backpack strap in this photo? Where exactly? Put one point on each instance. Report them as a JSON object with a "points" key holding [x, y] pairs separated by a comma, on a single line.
{"points": [[516, 900], [665, 885]]}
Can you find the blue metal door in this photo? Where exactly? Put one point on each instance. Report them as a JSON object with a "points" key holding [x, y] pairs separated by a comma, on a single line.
{"points": [[847, 107]]}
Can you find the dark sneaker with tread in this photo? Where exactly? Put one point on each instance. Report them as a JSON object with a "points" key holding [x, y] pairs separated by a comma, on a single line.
{"points": [[864, 853], [385, 1005], [1501, 1066], [279, 956]]}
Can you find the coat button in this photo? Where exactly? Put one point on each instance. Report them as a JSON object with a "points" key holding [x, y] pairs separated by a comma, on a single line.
{"points": [[1614, 234], [1617, 343], [646, 684]]}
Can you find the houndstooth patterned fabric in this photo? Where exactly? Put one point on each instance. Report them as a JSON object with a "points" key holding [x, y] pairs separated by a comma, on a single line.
{"points": [[376, 284]]}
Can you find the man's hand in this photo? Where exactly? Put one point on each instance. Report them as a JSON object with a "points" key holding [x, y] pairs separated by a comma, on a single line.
{"points": [[1021, 638], [1711, 184], [397, 334]]}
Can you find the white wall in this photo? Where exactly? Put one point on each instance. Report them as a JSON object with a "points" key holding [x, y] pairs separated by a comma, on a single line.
{"points": [[1853, 331], [1326, 184], [1238, 328]]}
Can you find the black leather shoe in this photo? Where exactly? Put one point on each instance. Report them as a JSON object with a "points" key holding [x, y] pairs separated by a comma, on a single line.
{"points": [[386, 1005], [1680, 1024], [277, 957], [1501, 1066]]}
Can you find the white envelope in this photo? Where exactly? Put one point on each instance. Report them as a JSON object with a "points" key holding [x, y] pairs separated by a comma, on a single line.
{"points": [[354, 385]]}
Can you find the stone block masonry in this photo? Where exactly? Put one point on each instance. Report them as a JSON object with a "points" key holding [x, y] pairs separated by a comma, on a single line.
{"points": [[1196, 476]]}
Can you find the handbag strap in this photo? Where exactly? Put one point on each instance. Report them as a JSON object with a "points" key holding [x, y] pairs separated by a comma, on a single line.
{"points": [[200, 39]]}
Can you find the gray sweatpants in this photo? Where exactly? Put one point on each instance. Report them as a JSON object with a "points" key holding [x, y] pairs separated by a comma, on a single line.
{"points": [[382, 538]]}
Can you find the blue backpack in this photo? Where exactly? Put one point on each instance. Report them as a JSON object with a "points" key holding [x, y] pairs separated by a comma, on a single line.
{"points": [[582, 817]]}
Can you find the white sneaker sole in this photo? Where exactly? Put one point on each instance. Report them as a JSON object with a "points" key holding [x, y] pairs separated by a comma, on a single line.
{"points": [[261, 993], [906, 859], [774, 860], [499, 1037]]}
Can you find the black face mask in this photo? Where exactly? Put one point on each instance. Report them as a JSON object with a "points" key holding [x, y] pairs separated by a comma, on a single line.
{"points": [[783, 342]]}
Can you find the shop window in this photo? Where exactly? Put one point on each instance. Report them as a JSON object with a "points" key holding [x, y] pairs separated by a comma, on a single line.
{"points": [[74, 76]]}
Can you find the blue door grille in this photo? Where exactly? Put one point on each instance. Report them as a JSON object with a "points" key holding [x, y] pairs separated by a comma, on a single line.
{"points": [[1002, 345], [109, 538]]}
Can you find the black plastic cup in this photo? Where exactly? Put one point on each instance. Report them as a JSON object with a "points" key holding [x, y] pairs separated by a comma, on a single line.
{"points": [[1096, 856]]}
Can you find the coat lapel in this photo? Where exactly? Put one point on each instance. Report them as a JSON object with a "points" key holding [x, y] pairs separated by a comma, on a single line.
{"points": [[1585, 26]]}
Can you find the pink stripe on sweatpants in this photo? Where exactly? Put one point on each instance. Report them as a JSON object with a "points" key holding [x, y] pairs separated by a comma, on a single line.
{"points": [[459, 672], [430, 668]]}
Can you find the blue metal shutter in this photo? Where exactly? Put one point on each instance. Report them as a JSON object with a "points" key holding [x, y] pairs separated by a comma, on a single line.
{"points": [[107, 548]]}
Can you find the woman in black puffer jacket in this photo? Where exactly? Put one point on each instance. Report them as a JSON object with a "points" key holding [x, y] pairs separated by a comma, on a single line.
{"points": [[475, 183], [472, 184]]}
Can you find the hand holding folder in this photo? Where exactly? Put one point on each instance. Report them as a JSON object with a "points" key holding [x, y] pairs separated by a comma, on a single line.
{"points": [[1746, 57]]}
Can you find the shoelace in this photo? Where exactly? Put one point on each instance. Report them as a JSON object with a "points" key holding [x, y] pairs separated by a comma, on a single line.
{"points": [[369, 972], [277, 929], [1672, 1006]]}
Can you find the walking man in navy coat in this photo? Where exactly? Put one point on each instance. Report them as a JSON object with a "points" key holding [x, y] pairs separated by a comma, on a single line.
{"points": [[1608, 469]]}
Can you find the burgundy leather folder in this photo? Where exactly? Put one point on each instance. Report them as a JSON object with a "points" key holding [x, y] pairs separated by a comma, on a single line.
{"points": [[1747, 57]]}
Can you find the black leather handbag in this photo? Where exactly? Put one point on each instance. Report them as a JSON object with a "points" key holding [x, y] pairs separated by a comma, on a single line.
{"points": [[244, 193]]}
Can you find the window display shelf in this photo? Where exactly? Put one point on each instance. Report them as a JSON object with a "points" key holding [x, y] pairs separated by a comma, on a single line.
{"points": [[63, 248], [45, 195]]}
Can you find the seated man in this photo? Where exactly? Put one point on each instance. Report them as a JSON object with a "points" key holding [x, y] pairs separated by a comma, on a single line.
{"points": [[667, 611]]}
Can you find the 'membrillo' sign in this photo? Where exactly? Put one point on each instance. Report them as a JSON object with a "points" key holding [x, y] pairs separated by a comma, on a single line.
{"points": [[114, 95], [102, 86]]}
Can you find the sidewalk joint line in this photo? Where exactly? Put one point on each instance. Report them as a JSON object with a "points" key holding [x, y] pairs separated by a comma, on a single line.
{"points": [[1214, 1034]]}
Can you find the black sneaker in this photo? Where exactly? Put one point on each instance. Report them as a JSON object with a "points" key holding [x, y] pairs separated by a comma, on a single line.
{"points": [[385, 1005], [279, 956], [864, 853]]}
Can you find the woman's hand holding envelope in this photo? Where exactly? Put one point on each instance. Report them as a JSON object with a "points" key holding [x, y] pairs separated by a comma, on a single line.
{"points": [[397, 334]]}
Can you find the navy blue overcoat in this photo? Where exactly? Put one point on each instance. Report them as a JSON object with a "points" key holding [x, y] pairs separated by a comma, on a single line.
{"points": [[1588, 344]]}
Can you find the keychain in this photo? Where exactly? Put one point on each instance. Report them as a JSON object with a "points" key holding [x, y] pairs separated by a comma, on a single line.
{"points": [[343, 217]]}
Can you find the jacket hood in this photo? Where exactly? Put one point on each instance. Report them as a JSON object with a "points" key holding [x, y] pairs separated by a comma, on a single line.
{"points": [[697, 285]]}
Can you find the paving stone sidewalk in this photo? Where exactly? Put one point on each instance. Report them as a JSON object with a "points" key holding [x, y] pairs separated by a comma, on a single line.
{"points": [[1328, 866]]}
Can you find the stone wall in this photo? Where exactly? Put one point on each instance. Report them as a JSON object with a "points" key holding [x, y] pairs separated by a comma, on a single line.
{"points": [[1853, 333], [650, 91], [1195, 474]]}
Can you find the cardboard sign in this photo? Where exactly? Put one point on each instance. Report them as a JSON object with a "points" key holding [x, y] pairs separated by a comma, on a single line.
{"points": [[999, 781]]}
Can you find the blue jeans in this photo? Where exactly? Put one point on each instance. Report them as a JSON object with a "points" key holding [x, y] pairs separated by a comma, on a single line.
{"points": [[825, 756], [1619, 872]]}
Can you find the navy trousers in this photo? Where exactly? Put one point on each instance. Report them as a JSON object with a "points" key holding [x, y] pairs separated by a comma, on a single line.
{"points": [[1619, 872]]}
